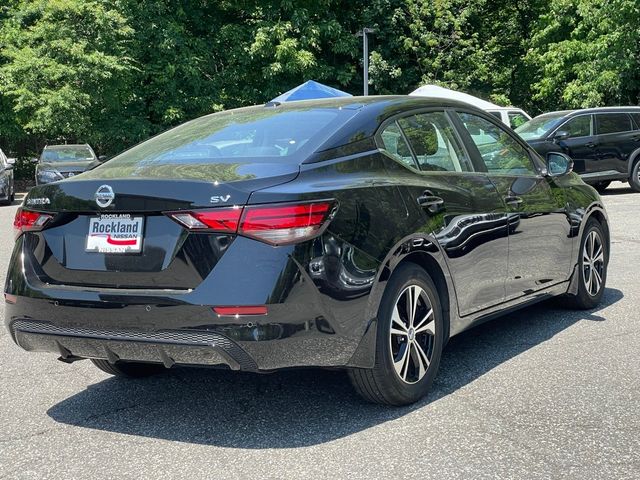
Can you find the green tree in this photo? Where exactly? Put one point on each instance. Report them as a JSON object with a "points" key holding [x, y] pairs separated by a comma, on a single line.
{"points": [[587, 53], [64, 67]]}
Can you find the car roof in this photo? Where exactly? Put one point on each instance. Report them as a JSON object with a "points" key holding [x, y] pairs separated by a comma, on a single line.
{"points": [[630, 108], [60, 147]]}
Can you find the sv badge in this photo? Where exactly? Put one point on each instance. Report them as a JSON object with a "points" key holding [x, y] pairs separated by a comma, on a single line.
{"points": [[220, 198]]}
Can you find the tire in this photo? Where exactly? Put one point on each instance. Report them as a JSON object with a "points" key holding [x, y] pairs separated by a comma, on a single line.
{"points": [[634, 178], [383, 383], [602, 186], [587, 296], [128, 369]]}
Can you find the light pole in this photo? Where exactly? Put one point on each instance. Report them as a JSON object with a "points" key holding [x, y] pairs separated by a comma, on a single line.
{"points": [[365, 56]]}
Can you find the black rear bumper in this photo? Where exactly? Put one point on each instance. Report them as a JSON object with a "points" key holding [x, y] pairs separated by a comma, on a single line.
{"points": [[169, 347]]}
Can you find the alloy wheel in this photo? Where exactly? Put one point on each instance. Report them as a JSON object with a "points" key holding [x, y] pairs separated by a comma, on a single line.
{"points": [[412, 334], [593, 263]]}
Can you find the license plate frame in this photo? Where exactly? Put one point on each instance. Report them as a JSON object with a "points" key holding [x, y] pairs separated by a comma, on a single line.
{"points": [[118, 234]]}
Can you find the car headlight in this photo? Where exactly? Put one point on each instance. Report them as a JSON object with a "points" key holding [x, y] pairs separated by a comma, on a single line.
{"points": [[50, 175]]}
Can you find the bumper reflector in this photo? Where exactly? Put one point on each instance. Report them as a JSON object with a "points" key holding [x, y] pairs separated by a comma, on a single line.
{"points": [[240, 311], [11, 299]]}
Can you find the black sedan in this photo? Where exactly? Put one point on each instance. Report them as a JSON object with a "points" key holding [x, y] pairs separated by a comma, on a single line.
{"points": [[354, 233]]}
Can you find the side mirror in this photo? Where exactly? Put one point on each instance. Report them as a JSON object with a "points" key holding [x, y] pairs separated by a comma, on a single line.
{"points": [[11, 161], [34, 160], [558, 164], [561, 135], [102, 158]]}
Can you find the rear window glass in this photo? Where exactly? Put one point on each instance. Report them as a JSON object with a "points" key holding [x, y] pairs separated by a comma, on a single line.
{"points": [[249, 135]]}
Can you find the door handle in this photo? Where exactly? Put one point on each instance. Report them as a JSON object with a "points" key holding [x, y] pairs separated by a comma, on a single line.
{"points": [[513, 200], [636, 138], [590, 145], [430, 201]]}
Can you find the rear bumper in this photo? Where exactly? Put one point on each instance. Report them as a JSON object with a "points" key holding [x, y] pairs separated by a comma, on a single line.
{"points": [[301, 328], [169, 347]]}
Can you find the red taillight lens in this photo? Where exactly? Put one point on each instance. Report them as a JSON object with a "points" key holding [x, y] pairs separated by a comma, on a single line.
{"points": [[217, 219], [279, 224], [28, 221], [286, 223]]}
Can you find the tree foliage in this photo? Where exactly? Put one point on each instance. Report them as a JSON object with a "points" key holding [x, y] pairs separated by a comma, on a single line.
{"points": [[113, 72]]}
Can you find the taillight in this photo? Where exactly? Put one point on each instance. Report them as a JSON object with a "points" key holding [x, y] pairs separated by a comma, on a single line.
{"points": [[286, 223], [28, 221], [276, 224], [216, 220]]}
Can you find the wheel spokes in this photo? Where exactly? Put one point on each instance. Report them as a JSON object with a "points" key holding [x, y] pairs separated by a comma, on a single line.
{"points": [[412, 330], [426, 325]]}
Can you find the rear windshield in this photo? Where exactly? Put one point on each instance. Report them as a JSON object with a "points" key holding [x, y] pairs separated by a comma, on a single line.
{"points": [[539, 126], [249, 135], [67, 154]]}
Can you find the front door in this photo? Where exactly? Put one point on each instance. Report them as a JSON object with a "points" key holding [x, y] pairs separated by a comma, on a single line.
{"points": [[539, 244]]}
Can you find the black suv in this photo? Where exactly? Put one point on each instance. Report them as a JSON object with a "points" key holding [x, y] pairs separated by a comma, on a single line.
{"points": [[603, 142]]}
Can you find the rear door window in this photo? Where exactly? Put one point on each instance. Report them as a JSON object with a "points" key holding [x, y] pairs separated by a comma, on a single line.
{"points": [[434, 143], [636, 119], [396, 146], [579, 126], [612, 123]]}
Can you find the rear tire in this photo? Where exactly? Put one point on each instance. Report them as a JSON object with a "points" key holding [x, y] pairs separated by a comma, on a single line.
{"points": [[128, 369], [592, 274], [408, 345], [602, 186], [634, 178]]}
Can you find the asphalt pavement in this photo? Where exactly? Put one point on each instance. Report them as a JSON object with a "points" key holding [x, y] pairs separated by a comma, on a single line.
{"points": [[541, 393]]}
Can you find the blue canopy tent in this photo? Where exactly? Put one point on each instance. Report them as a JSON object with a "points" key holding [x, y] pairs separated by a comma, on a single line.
{"points": [[308, 91]]}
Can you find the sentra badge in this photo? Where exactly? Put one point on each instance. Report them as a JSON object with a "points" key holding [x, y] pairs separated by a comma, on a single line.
{"points": [[38, 201]]}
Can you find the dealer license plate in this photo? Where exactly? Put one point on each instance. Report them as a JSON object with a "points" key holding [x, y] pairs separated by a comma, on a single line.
{"points": [[115, 233]]}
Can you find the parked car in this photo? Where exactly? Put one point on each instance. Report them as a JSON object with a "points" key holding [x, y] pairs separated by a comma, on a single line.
{"points": [[7, 184], [604, 143], [58, 162], [355, 233], [511, 116]]}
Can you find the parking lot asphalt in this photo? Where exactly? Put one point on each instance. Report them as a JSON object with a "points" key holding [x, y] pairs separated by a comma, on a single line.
{"points": [[541, 393]]}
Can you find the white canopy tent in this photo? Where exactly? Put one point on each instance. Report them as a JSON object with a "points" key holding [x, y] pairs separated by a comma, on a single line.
{"points": [[441, 92]]}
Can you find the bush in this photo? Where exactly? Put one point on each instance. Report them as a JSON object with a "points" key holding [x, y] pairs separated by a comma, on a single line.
{"points": [[24, 169]]}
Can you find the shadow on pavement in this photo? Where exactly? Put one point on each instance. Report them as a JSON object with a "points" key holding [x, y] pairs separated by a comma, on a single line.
{"points": [[609, 192], [295, 408]]}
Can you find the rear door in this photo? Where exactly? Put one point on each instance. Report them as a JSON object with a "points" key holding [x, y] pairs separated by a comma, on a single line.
{"points": [[471, 223], [539, 243], [617, 139]]}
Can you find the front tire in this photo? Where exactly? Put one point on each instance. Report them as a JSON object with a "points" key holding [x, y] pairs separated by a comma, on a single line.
{"points": [[409, 342], [128, 369], [592, 268], [634, 178]]}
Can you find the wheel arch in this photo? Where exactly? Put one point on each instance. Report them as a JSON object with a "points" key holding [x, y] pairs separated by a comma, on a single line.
{"points": [[425, 252], [597, 212], [635, 155]]}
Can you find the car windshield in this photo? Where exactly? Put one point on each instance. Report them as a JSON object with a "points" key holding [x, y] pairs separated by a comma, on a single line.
{"points": [[282, 134], [539, 126], [71, 153]]}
